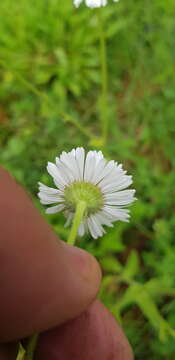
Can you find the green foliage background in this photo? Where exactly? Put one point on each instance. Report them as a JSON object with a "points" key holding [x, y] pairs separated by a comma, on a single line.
{"points": [[50, 83]]}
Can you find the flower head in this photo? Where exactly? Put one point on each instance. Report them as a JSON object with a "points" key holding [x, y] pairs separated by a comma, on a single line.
{"points": [[94, 180], [92, 3]]}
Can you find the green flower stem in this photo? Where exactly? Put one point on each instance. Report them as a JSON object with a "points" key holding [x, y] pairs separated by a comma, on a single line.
{"points": [[21, 352], [32, 342], [104, 77], [81, 207]]}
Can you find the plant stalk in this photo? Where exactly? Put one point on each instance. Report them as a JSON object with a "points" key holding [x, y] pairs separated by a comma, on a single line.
{"points": [[31, 346], [81, 206], [104, 78]]}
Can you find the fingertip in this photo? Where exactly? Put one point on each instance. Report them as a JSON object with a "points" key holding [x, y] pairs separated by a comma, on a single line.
{"points": [[87, 269], [93, 335]]}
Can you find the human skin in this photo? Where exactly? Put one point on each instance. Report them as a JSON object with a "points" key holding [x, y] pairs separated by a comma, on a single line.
{"points": [[44, 283]]}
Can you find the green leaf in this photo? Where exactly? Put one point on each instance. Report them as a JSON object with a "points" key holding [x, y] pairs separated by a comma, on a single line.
{"points": [[132, 266], [150, 310], [137, 294], [111, 264], [116, 26]]}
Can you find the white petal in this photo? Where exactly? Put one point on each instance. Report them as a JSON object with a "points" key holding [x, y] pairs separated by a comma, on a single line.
{"points": [[103, 219], [95, 3], [72, 152], [80, 157], [95, 228], [106, 215], [98, 225], [120, 198], [77, 2], [122, 183], [54, 209], [116, 213], [119, 202], [53, 170], [49, 198], [89, 166], [99, 156], [48, 202], [98, 171], [93, 160], [113, 176], [69, 160], [92, 229], [55, 173], [124, 194], [69, 219], [110, 174], [81, 229], [108, 168], [48, 190], [64, 171]]}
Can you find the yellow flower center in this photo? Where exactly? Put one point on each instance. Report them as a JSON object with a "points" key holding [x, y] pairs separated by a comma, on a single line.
{"points": [[83, 191]]}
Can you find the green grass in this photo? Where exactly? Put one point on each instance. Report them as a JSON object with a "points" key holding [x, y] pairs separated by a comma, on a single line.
{"points": [[50, 101]]}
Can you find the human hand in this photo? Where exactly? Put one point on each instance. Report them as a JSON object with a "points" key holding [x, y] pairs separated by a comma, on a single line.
{"points": [[44, 283]]}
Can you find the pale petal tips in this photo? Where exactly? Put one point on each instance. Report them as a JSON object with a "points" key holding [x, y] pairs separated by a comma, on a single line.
{"points": [[55, 209], [77, 3], [92, 3]]}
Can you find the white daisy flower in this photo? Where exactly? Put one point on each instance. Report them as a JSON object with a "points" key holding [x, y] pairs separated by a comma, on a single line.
{"points": [[92, 179], [92, 3]]}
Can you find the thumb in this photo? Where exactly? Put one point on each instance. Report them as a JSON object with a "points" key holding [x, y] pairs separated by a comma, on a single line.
{"points": [[44, 282]]}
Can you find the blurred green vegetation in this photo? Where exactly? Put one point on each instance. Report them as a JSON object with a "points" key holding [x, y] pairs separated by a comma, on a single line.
{"points": [[50, 81]]}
